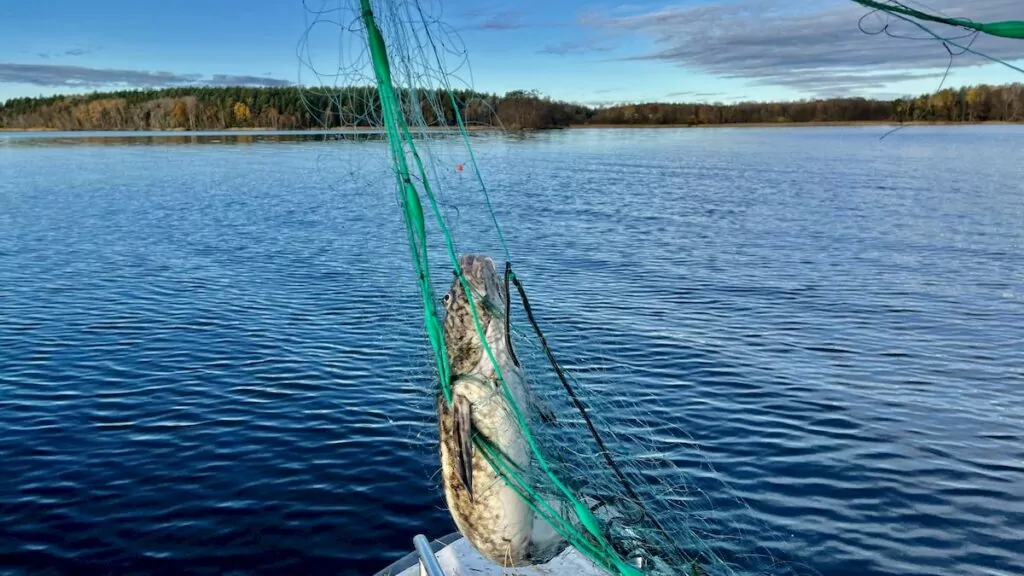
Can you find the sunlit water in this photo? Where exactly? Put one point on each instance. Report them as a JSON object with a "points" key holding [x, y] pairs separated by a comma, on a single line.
{"points": [[212, 355]]}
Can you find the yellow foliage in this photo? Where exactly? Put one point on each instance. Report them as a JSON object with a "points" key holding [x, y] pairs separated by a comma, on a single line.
{"points": [[242, 112], [180, 112]]}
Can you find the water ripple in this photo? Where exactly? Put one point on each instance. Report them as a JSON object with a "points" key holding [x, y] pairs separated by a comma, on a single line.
{"points": [[212, 362]]}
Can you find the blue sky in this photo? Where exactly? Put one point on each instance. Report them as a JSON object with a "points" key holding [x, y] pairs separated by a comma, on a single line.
{"points": [[580, 50]]}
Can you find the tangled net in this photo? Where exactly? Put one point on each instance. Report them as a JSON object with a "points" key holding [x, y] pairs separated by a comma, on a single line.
{"points": [[633, 494]]}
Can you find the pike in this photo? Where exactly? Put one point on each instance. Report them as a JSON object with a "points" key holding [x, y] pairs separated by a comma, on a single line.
{"points": [[488, 512]]}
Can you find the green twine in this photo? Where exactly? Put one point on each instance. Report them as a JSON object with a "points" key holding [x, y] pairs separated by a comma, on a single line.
{"points": [[1004, 29]]}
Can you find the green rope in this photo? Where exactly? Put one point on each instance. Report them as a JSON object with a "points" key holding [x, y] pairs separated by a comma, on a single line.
{"points": [[1004, 29], [592, 543]]}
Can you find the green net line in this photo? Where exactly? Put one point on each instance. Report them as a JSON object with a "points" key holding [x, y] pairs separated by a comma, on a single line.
{"points": [[1004, 29], [592, 542], [1012, 29]]}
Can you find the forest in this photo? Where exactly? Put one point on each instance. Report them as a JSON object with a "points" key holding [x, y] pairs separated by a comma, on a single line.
{"points": [[294, 108]]}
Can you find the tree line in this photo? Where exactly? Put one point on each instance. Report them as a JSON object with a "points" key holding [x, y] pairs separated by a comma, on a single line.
{"points": [[290, 108], [293, 108], [981, 103]]}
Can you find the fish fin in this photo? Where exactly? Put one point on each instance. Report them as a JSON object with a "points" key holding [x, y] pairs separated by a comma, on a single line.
{"points": [[462, 419]]}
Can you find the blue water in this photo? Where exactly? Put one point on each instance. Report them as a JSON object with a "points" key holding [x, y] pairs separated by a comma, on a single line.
{"points": [[212, 357]]}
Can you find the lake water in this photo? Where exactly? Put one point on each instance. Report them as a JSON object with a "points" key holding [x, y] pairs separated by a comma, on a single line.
{"points": [[212, 357]]}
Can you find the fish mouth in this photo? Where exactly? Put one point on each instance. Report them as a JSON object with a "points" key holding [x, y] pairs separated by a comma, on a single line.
{"points": [[478, 267], [481, 274], [477, 294]]}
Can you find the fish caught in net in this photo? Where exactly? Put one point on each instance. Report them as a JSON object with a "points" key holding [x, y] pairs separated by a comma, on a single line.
{"points": [[534, 463]]}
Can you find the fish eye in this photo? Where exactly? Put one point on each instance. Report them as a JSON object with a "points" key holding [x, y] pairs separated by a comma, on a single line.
{"points": [[447, 298]]}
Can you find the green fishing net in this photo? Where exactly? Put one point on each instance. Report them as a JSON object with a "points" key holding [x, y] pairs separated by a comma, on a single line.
{"points": [[625, 487]]}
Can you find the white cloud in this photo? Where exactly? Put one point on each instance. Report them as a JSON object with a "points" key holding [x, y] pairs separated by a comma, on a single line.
{"points": [[80, 76]]}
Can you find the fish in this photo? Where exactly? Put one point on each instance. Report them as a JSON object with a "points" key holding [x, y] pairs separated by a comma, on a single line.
{"points": [[490, 514]]}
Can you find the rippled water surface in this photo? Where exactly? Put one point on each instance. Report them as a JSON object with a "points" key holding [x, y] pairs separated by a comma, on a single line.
{"points": [[212, 355]]}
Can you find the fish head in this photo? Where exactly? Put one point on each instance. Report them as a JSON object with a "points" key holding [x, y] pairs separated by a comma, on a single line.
{"points": [[464, 346]]}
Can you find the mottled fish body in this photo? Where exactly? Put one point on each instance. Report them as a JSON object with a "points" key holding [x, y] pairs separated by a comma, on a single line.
{"points": [[488, 512]]}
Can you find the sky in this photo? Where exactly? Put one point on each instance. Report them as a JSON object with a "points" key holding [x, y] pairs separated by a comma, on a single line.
{"points": [[587, 51]]}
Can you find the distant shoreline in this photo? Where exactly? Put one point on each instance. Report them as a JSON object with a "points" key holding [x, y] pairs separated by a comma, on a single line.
{"points": [[184, 131], [890, 123], [241, 109]]}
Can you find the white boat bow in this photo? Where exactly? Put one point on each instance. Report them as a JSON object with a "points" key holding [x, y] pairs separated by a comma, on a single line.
{"points": [[455, 556]]}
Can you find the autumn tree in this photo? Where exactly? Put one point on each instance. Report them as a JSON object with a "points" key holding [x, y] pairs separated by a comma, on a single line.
{"points": [[179, 113], [242, 112]]}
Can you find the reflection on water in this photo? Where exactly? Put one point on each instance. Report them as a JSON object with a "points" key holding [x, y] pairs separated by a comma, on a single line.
{"points": [[121, 138]]}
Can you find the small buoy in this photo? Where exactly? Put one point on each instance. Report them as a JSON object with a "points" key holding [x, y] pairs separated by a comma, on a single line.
{"points": [[458, 167]]}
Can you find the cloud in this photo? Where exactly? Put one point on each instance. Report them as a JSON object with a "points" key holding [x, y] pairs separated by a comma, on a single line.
{"points": [[785, 43], [847, 81], [502, 20], [71, 52], [888, 95], [689, 95], [685, 95], [244, 80], [576, 47], [602, 103], [81, 77]]}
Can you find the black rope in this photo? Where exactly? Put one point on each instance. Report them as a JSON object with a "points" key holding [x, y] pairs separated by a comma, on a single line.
{"points": [[508, 317], [579, 404]]}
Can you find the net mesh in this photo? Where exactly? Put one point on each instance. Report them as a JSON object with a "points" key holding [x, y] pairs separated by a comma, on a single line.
{"points": [[622, 484]]}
